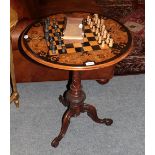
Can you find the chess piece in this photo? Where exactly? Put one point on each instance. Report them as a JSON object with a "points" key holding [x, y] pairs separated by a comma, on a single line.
{"points": [[46, 36], [102, 21], [53, 49], [105, 34], [96, 15], [96, 19], [98, 35], [100, 39], [108, 36], [51, 39], [88, 17], [89, 21], [48, 21], [103, 44], [63, 49], [111, 42], [107, 40], [91, 24], [59, 40], [97, 31], [46, 27], [98, 23], [93, 29]]}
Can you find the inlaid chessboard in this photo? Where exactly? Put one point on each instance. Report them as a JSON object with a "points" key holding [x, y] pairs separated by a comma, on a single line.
{"points": [[75, 53], [89, 41]]}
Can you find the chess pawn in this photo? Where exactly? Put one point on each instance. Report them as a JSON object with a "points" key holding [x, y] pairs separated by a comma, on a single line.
{"points": [[105, 34], [103, 44], [108, 36], [89, 21], [98, 35], [91, 24], [111, 42], [98, 23], [96, 19], [102, 30], [102, 22], [96, 15], [100, 39], [93, 29], [107, 41], [97, 30], [88, 17]]}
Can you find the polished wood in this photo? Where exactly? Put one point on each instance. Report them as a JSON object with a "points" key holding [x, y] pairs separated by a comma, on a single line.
{"points": [[74, 99], [103, 81], [107, 62], [15, 95]]}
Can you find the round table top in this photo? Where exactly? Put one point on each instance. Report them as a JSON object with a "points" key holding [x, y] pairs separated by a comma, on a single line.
{"points": [[88, 55]]}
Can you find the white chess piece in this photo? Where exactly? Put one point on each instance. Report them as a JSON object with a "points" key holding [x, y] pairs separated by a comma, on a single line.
{"points": [[103, 44], [108, 36], [100, 39], [98, 35], [91, 24], [93, 29], [107, 41], [111, 42], [105, 34], [97, 30], [102, 21], [89, 21], [98, 23], [88, 17], [96, 15], [102, 30]]}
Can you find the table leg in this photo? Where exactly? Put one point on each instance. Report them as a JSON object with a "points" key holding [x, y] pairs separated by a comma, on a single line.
{"points": [[74, 99]]}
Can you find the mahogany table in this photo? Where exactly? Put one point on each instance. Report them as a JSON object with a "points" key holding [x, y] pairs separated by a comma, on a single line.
{"points": [[88, 55]]}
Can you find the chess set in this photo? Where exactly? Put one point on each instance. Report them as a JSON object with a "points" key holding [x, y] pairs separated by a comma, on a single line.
{"points": [[103, 39]]}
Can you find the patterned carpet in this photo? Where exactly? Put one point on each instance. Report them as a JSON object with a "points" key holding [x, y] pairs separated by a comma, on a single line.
{"points": [[135, 21]]}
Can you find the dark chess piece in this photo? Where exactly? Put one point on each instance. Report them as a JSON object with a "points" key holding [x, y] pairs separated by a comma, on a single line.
{"points": [[48, 21], [46, 28], [46, 36], [51, 39], [51, 46], [55, 27], [59, 40], [63, 49], [53, 49]]}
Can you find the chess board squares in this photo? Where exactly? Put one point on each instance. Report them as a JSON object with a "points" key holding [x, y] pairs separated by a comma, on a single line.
{"points": [[96, 47], [85, 39], [79, 49], [87, 48], [69, 45], [70, 50], [51, 52], [85, 44], [87, 31], [89, 35], [91, 39], [93, 43], [77, 45]]}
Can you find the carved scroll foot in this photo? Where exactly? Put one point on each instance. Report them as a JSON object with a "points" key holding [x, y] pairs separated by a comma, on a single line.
{"points": [[65, 123], [92, 113]]}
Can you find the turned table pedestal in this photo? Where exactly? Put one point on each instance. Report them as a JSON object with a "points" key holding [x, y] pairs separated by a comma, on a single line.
{"points": [[78, 57]]}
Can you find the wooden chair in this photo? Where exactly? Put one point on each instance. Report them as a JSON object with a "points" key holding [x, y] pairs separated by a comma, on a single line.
{"points": [[14, 95]]}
